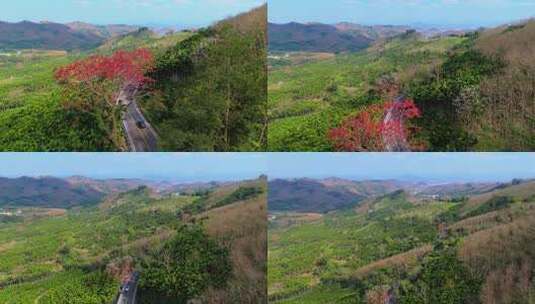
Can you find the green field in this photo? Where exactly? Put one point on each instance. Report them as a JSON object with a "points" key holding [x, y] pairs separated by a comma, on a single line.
{"points": [[472, 94], [400, 244], [307, 99], [81, 255], [47, 251]]}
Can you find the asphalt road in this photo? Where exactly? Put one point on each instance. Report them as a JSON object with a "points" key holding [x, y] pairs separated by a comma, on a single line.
{"points": [[395, 139], [128, 290], [140, 135]]}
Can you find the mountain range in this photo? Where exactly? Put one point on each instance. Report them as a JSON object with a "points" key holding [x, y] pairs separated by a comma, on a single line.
{"points": [[57, 36], [325, 195], [339, 37], [54, 192]]}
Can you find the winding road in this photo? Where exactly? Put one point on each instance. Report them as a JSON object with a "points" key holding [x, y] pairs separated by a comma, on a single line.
{"points": [[394, 137], [140, 135], [128, 291]]}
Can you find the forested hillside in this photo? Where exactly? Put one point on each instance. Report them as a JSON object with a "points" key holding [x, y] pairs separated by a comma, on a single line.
{"points": [[408, 247], [209, 90]]}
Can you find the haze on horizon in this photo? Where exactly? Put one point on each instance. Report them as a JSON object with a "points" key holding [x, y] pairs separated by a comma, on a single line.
{"points": [[417, 13], [173, 167], [429, 167], [176, 13]]}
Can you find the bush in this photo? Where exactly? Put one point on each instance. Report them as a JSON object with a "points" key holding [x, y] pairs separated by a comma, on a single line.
{"points": [[443, 279], [444, 97], [186, 266]]}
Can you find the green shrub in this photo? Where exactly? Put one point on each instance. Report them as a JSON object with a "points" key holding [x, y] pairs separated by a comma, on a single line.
{"points": [[186, 266]]}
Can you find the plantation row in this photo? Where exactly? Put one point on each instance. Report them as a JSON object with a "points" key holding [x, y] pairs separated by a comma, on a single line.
{"points": [[399, 250]]}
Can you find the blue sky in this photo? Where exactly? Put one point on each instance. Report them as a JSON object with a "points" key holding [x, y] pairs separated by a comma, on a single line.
{"points": [[188, 13], [236, 166], [405, 166], [182, 167], [448, 13]]}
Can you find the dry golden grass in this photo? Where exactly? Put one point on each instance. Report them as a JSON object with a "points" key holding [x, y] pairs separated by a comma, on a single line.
{"points": [[503, 255], [255, 19], [401, 261], [242, 227], [7, 246], [516, 46], [510, 95], [487, 250]]}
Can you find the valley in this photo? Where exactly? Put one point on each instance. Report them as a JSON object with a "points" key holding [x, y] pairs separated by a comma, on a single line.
{"points": [[422, 243], [56, 248], [324, 88]]}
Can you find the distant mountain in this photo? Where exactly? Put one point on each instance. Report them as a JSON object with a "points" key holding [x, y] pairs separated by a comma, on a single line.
{"points": [[53, 192], [309, 195], [56, 36], [324, 195], [373, 32], [104, 31], [111, 185], [317, 37], [46, 192], [457, 189]]}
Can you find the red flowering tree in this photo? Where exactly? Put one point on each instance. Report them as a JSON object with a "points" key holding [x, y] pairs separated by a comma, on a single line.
{"points": [[94, 84], [379, 127]]}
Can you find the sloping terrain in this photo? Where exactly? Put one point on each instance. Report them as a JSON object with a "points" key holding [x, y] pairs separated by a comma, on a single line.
{"points": [[244, 223], [209, 92], [400, 249], [307, 100], [178, 106], [472, 93], [83, 256]]}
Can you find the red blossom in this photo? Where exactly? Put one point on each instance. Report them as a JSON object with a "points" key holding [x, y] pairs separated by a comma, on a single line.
{"points": [[374, 128], [126, 67]]}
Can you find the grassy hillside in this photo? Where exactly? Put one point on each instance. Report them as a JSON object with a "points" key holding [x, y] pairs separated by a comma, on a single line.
{"points": [[85, 253], [243, 226], [401, 249], [142, 37], [473, 94]]}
